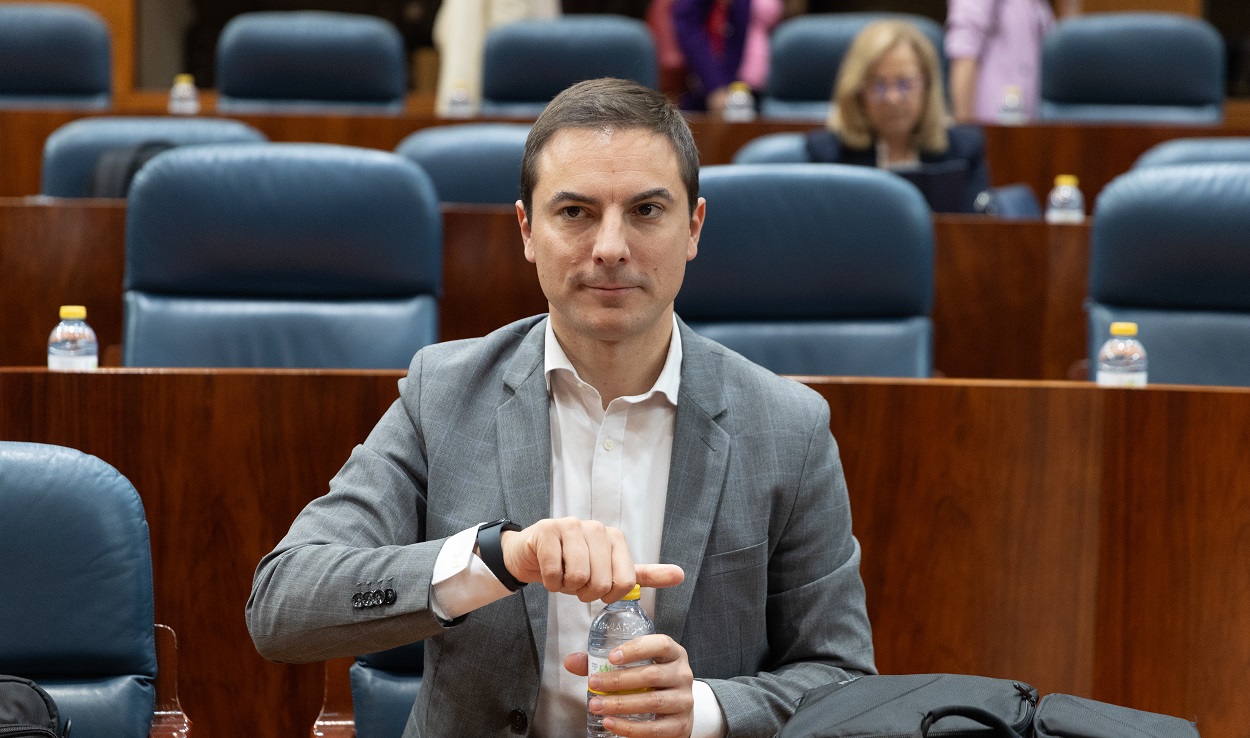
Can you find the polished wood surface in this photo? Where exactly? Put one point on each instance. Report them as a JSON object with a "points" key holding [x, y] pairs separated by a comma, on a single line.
{"points": [[1085, 540], [1008, 294], [1032, 154]]}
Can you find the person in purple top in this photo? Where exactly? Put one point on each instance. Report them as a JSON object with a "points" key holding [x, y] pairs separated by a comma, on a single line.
{"points": [[995, 49], [723, 41]]}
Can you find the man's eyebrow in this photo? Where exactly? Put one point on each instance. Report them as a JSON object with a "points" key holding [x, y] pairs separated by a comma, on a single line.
{"points": [[566, 196], [656, 193]]}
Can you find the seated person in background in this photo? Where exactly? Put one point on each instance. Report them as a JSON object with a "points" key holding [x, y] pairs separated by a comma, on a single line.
{"points": [[723, 41], [889, 111]]}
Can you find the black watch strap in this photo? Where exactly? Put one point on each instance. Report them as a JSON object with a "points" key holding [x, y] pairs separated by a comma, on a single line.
{"points": [[490, 548]]}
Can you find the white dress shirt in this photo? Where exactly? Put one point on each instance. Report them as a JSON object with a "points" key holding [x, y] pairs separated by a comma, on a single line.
{"points": [[608, 465]]}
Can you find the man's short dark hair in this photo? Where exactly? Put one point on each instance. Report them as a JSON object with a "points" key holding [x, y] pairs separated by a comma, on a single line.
{"points": [[618, 104]]}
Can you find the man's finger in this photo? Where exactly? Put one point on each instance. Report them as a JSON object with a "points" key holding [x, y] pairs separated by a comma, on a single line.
{"points": [[577, 664], [659, 576]]}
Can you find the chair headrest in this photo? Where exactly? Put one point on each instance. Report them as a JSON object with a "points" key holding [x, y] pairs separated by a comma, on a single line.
{"points": [[1133, 59], [809, 242], [283, 220], [53, 49], [471, 162], [73, 149], [1173, 237], [1196, 151], [535, 60], [311, 55], [74, 536]]}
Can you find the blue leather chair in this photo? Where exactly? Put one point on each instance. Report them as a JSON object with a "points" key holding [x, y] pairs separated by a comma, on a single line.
{"points": [[805, 53], [54, 55], [1168, 251], [314, 61], [774, 148], [71, 152], [384, 688], [816, 269], [1133, 68], [527, 63], [78, 614], [471, 162], [1196, 151], [281, 255]]}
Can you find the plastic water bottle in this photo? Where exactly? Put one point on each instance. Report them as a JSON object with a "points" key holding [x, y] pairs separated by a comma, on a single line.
{"points": [[184, 98], [460, 104], [72, 345], [1122, 359], [619, 623], [1065, 204], [739, 103], [1011, 110]]}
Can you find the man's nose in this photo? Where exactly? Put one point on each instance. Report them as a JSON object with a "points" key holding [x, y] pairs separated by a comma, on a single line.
{"points": [[610, 243]]}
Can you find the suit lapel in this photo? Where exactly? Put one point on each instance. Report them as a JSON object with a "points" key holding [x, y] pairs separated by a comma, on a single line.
{"points": [[524, 442], [696, 477]]}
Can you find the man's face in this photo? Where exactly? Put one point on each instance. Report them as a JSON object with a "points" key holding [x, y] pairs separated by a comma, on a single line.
{"points": [[610, 232]]}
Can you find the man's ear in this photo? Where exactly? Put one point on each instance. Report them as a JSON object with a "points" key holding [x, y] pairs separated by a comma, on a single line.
{"points": [[696, 228], [524, 222]]}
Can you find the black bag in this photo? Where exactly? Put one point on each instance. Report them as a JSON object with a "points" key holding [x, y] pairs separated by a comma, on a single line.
{"points": [[914, 704], [26, 711], [116, 168], [1065, 716]]}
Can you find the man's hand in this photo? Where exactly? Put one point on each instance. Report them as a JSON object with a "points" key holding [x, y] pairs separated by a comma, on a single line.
{"points": [[669, 680], [584, 558]]}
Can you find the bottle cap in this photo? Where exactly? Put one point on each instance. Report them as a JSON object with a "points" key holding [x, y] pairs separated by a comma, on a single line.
{"points": [[1123, 329], [1066, 179], [739, 87], [634, 593], [73, 312], [184, 78]]}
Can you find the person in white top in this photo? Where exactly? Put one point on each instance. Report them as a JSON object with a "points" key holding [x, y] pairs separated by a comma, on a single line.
{"points": [[627, 448]]}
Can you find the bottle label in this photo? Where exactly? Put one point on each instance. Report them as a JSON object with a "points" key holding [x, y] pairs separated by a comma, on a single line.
{"points": [[1121, 379], [87, 362], [1073, 217], [601, 665]]}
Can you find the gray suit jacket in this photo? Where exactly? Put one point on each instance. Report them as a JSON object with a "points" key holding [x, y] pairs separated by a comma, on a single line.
{"points": [[757, 516]]}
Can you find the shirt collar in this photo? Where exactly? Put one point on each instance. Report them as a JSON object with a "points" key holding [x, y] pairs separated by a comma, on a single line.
{"points": [[667, 384]]}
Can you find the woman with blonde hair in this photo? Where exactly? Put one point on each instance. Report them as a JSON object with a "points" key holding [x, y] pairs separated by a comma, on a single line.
{"points": [[889, 111]]}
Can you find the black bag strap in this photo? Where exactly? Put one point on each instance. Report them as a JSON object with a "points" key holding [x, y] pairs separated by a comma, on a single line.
{"points": [[982, 716]]}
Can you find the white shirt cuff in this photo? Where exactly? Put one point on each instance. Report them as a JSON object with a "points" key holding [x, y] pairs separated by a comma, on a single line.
{"points": [[709, 719], [462, 583]]}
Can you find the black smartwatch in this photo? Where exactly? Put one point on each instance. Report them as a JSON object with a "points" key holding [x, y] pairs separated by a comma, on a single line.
{"points": [[490, 548]]}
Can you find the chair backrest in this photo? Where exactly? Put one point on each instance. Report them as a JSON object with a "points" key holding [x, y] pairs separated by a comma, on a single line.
{"points": [[1168, 251], [1133, 68], [281, 255], [774, 148], [1009, 201], [1196, 151], [471, 162], [71, 152], [54, 55], [310, 60], [806, 52], [814, 269], [384, 688], [527, 63], [74, 539]]}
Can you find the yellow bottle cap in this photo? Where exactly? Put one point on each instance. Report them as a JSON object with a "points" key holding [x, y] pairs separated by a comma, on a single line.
{"points": [[634, 593], [1124, 329], [739, 87], [73, 312], [184, 79], [1066, 179]]}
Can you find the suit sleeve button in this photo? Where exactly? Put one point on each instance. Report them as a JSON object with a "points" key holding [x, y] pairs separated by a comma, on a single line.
{"points": [[517, 721], [390, 597]]}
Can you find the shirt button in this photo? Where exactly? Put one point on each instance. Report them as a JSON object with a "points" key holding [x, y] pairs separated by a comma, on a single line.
{"points": [[608, 445]]}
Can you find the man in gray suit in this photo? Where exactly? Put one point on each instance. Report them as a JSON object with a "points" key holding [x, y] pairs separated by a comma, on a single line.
{"points": [[616, 439]]}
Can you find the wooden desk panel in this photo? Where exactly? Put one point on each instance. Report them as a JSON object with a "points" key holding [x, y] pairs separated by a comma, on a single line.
{"points": [[1008, 298], [1084, 540]]}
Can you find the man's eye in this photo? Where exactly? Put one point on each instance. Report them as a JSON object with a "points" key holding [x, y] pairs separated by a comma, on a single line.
{"points": [[572, 211], [648, 209]]}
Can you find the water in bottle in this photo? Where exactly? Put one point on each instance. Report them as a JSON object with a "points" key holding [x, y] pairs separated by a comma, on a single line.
{"points": [[1065, 204], [184, 98], [1011, 110], [1122, 359], [72, 345], [460, 104], [619, 623], [739, 103]]}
